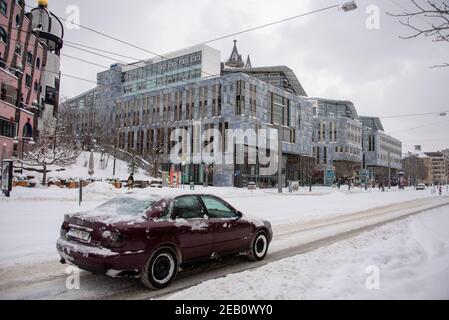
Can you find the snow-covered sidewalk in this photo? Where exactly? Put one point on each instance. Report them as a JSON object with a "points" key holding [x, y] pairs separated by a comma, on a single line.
{"points": [[408, 259]]}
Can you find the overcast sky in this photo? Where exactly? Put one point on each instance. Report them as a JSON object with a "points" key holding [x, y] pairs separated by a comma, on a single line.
{"points": [[332, 53]]}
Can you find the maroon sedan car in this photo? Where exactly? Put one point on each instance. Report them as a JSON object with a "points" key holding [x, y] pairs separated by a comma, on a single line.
{"points": [[153, 237]]}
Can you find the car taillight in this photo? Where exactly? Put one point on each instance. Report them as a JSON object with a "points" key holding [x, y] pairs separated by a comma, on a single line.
{"points": [[112, 239], [64, 229]]}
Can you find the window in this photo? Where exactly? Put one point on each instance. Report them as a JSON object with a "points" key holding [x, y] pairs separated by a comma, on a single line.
{"points": [[17, 20], [203, 93], [253, 100], [190, 105], [280, 110], [216, 100], [325, 155], [187, 207], [240, 97], [50, 95], [29, 57], [217, 209], [7, 128], [3, 7], [18, 49], [3, 35], [28, 81]]}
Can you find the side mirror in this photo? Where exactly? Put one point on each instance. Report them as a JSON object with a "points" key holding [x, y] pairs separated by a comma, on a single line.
{"points": [[239, 214]]}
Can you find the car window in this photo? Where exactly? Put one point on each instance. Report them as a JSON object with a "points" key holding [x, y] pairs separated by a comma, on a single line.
{"points": [[216, 208], [126, 206], [187, 208]]}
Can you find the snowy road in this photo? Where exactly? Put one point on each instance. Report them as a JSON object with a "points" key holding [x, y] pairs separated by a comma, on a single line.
{"points": [[46, 280]]}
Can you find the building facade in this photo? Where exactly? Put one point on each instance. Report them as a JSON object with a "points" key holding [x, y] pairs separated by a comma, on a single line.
{"points": [[22, 57], [439, 164], [417, 167], [85, 111], [141, 104], [381, 152], [30, 43], [236, 102], [175, 68], [337, 140], [446, 154]]}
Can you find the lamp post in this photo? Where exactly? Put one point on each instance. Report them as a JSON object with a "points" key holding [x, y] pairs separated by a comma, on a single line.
{"points": [[348, 6]]}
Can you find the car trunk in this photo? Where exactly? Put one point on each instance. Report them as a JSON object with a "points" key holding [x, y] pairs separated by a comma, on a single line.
{"points": [[89, 230]]}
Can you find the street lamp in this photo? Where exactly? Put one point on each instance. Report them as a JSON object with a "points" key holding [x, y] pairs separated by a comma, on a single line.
{"points": [[348, 6]]}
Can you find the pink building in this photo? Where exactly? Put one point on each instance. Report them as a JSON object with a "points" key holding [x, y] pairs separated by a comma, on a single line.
{"points": [[22, 58]]}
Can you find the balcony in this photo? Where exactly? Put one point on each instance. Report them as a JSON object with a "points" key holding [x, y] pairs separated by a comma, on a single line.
{"points": [[9, 99], [7, 77]]}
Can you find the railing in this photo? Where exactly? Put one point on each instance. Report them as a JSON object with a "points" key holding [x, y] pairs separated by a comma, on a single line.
{"points": [[9, 99]]}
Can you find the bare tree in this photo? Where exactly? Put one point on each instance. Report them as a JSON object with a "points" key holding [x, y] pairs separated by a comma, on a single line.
{"points": [[346, 170], [54, 148], [310, 167], [154, 156], [435, 21]]}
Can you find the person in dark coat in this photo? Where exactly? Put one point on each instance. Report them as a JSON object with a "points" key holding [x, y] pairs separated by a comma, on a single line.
{"points": [[130, 181]]}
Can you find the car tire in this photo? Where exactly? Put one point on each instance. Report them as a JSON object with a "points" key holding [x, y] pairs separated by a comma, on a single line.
{"points": [[160, 270], [259, 247]]}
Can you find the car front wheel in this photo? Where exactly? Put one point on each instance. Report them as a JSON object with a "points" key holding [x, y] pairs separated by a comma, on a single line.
{"points": [[259, 247], [160, 270]]}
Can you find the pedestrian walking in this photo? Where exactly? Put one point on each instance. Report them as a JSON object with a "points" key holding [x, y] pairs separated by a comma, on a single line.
{"points": [[441, 190], [130, 181]]}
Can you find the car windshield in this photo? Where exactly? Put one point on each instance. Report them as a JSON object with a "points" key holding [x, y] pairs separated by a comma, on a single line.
{"points": [[127, 206]]}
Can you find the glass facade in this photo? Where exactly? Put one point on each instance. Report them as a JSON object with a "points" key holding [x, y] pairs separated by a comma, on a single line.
{"points": [[154, 76]]}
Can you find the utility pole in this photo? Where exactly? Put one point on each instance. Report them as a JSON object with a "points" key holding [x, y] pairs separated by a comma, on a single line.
{"points": [[389, 168]]}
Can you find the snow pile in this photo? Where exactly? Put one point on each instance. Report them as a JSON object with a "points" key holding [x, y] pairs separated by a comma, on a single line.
{"points": [[103, 169], [100, 190], [408, 259]]}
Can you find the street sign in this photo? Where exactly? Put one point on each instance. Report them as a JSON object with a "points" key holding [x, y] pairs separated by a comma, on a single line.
{"points": [[329, 177]]}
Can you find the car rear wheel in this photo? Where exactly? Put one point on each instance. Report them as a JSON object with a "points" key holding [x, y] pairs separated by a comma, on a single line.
{"points": [[160, 270], [259, 247]]}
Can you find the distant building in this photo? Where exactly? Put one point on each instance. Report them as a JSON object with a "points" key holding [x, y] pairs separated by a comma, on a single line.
{"points": [[337, 140], [86, 110], [417, 167], [380, 151], [439, 165], [446, 154]]}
